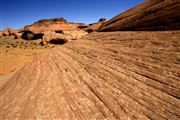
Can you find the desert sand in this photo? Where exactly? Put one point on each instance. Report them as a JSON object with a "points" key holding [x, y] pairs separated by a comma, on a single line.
{"points": [[15, 53]]}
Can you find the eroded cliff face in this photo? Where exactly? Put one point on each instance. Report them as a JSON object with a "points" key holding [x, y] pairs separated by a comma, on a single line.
{"points": [[111, 75], [150, 15]]}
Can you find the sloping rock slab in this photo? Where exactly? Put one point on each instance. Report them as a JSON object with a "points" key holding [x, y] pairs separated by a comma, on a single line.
{"points": [[150, 15], [116, 75]]}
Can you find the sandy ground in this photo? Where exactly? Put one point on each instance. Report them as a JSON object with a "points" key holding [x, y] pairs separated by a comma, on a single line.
{"points": [[14, 54], [14, 58]]}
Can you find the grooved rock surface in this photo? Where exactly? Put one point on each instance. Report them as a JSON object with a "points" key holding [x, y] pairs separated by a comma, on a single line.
{"points": [[113, 75], [150, 15]]}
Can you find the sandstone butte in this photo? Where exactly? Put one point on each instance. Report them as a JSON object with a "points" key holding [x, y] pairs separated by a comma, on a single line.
{"points": [[57, 29], [103, 75], [54, 24]]}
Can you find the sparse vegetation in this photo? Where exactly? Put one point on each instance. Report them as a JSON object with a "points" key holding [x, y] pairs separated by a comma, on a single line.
{"points": [[9, 42], [17, 52]]}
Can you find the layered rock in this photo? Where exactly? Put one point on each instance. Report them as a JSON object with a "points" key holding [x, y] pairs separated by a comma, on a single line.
{"points": [[111, 75], [41, 27], [62, 36], [150, 15], [95, 26]]}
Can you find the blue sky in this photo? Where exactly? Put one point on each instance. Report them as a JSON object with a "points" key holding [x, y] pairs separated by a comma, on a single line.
{"points": [[18, 13]]}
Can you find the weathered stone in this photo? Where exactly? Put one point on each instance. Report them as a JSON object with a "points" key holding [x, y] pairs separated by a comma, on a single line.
{"points": [[111, 75], [150, 15], [64, 36]]}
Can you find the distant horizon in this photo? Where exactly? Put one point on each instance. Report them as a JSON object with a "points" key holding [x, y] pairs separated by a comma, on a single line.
{"points": [[18, 13]]}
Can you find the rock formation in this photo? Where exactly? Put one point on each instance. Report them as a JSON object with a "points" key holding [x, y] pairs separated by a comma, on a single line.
{"points": [[8, 32], [112, 75], [41, 27], [95, 26], [54, 37], [103, 75], [1, 34], [62, 36], [28, 35], [150, 15], [17, 35]]}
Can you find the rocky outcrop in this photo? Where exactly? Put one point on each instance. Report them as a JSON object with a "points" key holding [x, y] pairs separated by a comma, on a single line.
{"points": [[17, 35], [62, 36], [95, 26], [41, 27], [102, 20], [74, 35], [150, 15], [111, 75], [54, 38], [50, 25], [43, 22], [28, 35], [8, 32]]}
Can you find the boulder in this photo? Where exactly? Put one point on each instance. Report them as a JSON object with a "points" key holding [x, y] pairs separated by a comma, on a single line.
{"points": [[150, 15], [7, 32], [10, 32], [102, 20], [74, 35], [51, 37], [17, 35]]}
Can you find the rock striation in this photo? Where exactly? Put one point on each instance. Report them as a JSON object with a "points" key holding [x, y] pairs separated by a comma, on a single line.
{"points": [[150, 15], [108, 75], [95, 26]]}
